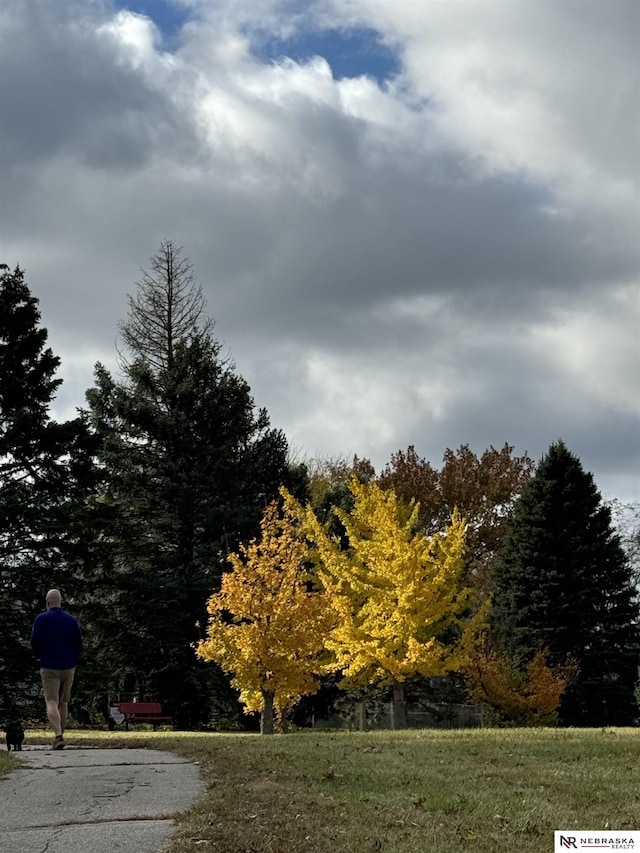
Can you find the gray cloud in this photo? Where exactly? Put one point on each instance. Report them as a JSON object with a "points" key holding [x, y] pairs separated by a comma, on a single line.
{"points": [[65, 93], [449, 258]]}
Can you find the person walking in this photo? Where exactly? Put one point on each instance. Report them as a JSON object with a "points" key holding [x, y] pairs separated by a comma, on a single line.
{"points": [[57, 640]]}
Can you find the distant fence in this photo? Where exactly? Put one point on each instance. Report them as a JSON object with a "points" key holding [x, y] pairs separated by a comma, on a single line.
{"points": [[367, 716], [448, 716]]}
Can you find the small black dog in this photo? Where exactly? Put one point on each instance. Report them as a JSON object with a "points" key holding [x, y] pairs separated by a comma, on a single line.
{"points": [[15, 736]]}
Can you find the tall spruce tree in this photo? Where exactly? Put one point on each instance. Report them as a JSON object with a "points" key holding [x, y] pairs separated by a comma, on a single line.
{"points": [[44, 468], [189, 465], [562, 582]]}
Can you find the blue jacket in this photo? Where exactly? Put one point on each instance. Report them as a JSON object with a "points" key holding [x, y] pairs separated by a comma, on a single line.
{"points": [[56, 639]]}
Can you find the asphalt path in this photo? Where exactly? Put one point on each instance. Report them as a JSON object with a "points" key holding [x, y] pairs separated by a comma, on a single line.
{"points": [[84, 800]]}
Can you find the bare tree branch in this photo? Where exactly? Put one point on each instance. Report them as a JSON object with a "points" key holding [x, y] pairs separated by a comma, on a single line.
{"points": [[167, 308]]}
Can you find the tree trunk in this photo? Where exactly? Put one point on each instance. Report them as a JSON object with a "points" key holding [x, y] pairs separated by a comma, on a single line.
{"points": [[284, 721], [266, 718], [362, 715], [399, 708]]}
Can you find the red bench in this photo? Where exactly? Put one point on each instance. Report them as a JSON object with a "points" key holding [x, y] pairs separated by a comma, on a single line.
{"points": [[143, 712]]}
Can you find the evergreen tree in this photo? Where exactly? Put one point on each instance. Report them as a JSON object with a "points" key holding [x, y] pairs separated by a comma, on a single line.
{"points": [[189, 466], [168, 307], [562, 583], [44, 468]]}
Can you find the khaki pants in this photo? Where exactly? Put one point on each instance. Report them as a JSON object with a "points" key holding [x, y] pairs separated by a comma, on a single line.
{"points": [[56, 684]]}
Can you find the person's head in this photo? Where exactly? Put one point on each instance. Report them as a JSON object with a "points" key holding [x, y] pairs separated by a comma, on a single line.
{"points": [[53, 599]]}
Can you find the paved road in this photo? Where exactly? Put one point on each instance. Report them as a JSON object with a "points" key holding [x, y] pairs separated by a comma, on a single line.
{"points": [[80, 800]]}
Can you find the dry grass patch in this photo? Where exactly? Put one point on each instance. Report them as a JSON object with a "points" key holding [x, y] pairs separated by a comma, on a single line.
{"points": [[5, 764]]}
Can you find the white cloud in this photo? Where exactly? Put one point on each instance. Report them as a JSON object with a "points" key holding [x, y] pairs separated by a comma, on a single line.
{"points": [[549, 89], [135, 37]]}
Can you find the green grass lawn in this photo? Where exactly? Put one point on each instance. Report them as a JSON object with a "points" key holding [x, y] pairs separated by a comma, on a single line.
{"points": [[400, 792]]}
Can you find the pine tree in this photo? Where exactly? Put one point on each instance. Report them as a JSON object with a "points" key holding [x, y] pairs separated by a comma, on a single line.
{"points": [[189, 466], [562, 583], [167, 308], [44, 468]]}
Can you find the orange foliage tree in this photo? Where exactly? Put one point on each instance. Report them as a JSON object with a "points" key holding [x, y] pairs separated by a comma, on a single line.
{"points": [[482, 488], [267, 624], [518, 694]]}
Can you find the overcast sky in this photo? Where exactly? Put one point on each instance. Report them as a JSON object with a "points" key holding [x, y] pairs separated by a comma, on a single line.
{"points": [[415, 222]]}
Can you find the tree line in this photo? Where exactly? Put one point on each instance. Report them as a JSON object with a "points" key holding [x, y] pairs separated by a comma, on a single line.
{"points": [[212, 572]]}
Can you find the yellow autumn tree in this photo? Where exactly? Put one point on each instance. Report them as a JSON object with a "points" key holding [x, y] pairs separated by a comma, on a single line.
{"points": [[397, 592], [266, 624]]}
